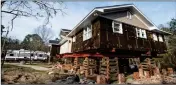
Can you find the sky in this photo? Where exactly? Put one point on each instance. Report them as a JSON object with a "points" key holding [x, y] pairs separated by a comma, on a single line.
{"points": [[157, 12]]}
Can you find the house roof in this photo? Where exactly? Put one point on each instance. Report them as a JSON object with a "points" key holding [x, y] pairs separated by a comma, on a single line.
{"points": [[67, 30], [154, 30], [90, 16], [64, 32], [54, 41], [161, 31]]}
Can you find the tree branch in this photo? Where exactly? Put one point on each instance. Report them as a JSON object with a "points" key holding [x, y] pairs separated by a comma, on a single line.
{"points": [[8, 12]]}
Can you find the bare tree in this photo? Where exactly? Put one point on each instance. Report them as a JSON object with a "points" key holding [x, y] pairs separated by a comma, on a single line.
{"points": [[44, 32], [35, 8]]}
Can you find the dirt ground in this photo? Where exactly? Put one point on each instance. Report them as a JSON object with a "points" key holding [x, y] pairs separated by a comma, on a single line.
{"points": [[33, 66], [12, 74]]}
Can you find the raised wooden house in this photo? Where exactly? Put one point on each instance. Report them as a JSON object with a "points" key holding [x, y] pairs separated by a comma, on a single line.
{"points": [[111, 38]]}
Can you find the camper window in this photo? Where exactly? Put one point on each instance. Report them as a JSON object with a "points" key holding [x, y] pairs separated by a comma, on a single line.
{"points": [[40, 55], [11, 54], [117, 27], [32, 54]]}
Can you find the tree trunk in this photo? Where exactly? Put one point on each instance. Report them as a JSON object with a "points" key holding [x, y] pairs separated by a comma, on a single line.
{"points": [[49, 59], [2, 3], [30, 58], [3, 57], [2, 48]]}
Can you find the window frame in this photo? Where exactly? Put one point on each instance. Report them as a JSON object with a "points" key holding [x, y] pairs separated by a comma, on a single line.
{"points": [[129, 15], [138, 31], [160, 38], [74, 38], [155, 37], [11, 54], [141, 31], [145, 34], [87, 32], [120, 27]]}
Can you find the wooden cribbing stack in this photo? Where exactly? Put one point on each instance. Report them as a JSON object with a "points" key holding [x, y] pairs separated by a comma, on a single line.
{"points": [[89, 65], [148, 65], [85, 65], [109, 67], [76, 63]]}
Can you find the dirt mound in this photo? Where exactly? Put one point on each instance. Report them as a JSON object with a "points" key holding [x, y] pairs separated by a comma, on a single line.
{"points": [[21, 75]]}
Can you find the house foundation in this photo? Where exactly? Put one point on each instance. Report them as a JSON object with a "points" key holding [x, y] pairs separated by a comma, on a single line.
{"points": [[91, 65]]}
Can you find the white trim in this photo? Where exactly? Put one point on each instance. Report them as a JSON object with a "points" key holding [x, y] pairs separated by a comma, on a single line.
{"points": [[102, 10], [65, 37], [87, 32], [74, 38], [138, 30], [160, 38], [116, 6], [144, 16], [155, 38], [129, 15], [145, 35], [82, 21], [140, 33], [120, 27], [95, 9]]}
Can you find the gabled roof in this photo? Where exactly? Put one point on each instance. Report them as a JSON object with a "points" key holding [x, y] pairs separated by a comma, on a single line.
{"points": [[64, 32], [91, 16], [153, 30]]}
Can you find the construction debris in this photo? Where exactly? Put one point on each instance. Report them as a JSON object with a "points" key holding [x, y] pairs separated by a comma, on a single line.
{"points": [[121, 78]]}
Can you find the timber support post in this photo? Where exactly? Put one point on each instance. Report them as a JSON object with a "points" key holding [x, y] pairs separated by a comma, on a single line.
{"points": [[86, 66]]}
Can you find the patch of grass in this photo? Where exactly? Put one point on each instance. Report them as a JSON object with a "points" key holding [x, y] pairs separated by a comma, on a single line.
{"points": [[129, 77], [40, 64], [8, 67]]}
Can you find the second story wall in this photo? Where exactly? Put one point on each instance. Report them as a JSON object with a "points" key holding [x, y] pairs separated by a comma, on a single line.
{"points": [[127, 17], [93, 42], [129, 38]]}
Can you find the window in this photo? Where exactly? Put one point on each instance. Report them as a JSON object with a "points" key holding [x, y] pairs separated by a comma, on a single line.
{"points": [[40, 55], [11, 54], [32, 54], [138, 32], [128, 15], [141, 33], [160, 38], [155, 37], [87, 33], [117, 27], [74, 38]]}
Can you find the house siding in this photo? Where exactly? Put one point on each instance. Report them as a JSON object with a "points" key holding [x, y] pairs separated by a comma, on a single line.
{"points": [[128, 40], [92, 43], [103, 39], [66, 47], [122, 17]]}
